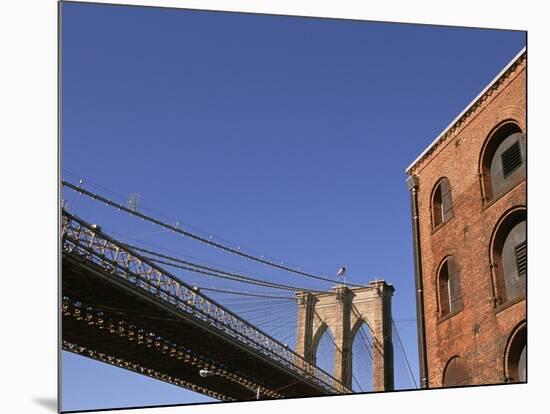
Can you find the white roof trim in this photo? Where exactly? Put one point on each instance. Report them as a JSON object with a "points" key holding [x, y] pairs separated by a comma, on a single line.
{"points": [[521, 52]]}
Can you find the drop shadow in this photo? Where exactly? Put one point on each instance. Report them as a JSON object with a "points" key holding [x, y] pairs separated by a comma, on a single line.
{"points": [[49, 403]]}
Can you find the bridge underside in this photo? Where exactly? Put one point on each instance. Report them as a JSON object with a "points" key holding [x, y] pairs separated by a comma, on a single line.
{"points": [[109, 321]]}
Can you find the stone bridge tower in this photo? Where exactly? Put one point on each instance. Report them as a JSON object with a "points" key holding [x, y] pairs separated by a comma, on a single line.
{"points": [[343, 311]]}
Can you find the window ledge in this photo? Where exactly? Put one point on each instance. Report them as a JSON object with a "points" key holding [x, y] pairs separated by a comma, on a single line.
{"points": [[509, 303], [448, 316], [493, 200], [436, 228]]}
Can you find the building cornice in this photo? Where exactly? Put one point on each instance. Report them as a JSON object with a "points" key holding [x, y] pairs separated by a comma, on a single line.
{"points": [[470, 109]]}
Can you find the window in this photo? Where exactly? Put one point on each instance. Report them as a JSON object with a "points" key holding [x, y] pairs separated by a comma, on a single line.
{"points": [[442, 203], [522, 364], [516, 355], [450, 300], [521, 258], [510, 159], [514, 261], [456, 373], [510, 256], [503, 161]]}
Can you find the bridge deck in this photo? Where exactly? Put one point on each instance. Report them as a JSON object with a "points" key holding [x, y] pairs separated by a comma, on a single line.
{"points": [[108, 319]]}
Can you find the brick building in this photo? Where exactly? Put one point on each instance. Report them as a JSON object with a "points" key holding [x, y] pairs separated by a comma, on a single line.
{"points": [[468, 200]]}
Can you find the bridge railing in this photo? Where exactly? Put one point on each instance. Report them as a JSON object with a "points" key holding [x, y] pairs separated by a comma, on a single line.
{"points": [[88, 242]]}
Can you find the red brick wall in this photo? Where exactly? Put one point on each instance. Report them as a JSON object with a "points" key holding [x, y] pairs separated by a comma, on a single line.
{"points": [[467, 236]]}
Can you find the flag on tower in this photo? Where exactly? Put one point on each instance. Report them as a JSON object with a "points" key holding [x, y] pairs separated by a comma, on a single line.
{"points": [[341, 272]]}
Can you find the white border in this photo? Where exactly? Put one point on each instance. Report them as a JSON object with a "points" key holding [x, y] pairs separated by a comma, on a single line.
{"points": [[29, 200]]}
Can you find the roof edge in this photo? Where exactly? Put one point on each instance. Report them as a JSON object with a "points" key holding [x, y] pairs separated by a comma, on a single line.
{"points": [[467, 108]]}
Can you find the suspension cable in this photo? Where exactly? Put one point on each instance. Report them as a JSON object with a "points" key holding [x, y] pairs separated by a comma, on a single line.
{"points": [[196, 237], [208, 270], [236, 278], [338, 349], [255, 295], [365, 342], [404, 354]]}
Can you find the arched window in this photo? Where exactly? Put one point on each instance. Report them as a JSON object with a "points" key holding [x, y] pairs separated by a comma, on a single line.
{"points": [[456, 373], [448, 283], [503, 163], [442, 203], [510, 256], [514, 260], [516, 355]]}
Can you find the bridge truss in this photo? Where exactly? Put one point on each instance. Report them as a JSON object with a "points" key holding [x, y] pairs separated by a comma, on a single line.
{"points": [[121, 308]]}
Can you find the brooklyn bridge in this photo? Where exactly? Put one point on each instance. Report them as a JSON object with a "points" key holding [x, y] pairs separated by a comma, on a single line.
{"points": [[122, 306]]}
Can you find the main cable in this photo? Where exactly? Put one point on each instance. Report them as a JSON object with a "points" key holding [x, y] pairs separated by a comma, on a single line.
{"points": [[196, 237], [242, 279], [222, 273], [254, 295]]}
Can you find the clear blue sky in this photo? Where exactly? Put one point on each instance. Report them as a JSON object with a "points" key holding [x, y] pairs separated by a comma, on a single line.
{"points": [[286, 136]]}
